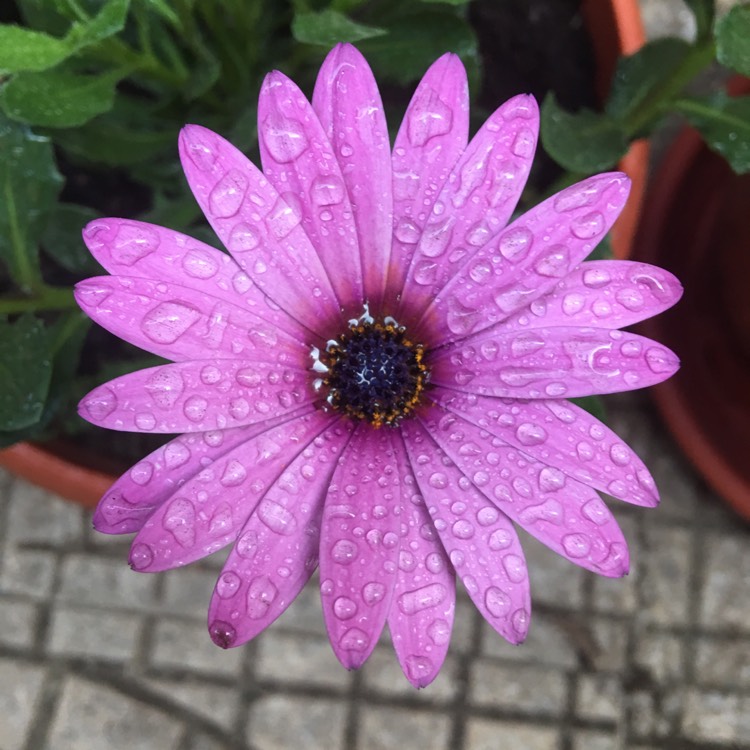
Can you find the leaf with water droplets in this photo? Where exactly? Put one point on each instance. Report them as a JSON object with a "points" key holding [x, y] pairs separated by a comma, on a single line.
{"points": [[733, 39]]}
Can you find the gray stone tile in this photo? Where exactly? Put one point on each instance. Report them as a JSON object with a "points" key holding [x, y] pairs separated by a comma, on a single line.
{"points": [[305, 614], [712, 716], [618, 595], [722, 662], [203, 742], [587, 739], [667, 574], [27, 572], [37, 516], [599, 697], [282, 721], [643, 714], [388, 728], [93, 633], [95, 580], [179, 644], [20, 687], [726, 588], [295, 659], [91, 716], [485, 734], [610, 644], [187, 591], [661, 654], [17, 622], [554, 580], [531, 689]]}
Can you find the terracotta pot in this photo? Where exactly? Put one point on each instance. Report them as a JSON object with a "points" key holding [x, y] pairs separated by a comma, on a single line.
{"points": [[616, 28], [695, 223]]}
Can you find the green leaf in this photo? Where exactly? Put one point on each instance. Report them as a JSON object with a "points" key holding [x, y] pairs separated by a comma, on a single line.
{"points": [[733, 39], [415, 40], [29, 184], [583, 142], [25, 369], [328, 27], [594, 405], [703, 10], [58, 99], [24, 49], [447, 2], [724, 123], [62, 239], [638, 76]]}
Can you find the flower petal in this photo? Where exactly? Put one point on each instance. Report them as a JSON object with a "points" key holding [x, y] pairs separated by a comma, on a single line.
{"points": [[359, 545], [257, 226], [477, 199], [563, 436], [197, 396], [481, 542], [602, 294], [424, 597], [553, 362], [348, 103], [277, 550], [129, 502], [179, 324], [432, 136], [208, 511], [527, 259], [567, 516], [136, 249], [298, 160]]}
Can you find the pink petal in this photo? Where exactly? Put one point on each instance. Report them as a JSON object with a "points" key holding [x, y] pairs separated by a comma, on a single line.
{"points": [[137, 249], [259, 227], [209, 510], [347, 101], [602, 294], [476, 201], [139, 491], [567, 516], [421, 618], [431, 138], [359, 545], [178, 323], [197, 396], [563, 436], [553, 362], [527, 259], [480, 540], [277, 550], [298, 160]]}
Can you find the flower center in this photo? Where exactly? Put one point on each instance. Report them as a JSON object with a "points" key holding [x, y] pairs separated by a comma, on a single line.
{"points": [[373, 371]]}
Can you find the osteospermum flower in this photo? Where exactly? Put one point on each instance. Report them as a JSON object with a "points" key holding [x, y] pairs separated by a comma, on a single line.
{"points": [[373, 379]]}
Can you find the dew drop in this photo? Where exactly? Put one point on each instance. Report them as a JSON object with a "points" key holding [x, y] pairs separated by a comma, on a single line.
{"points": [[422, 598], [497, 602], [195, 408], [228, 194], [344, 551], [141, 556], [515, 243], [439, 632], [555, 263], [133, 242], [199, 264], [284, 138], [142, 472], [660, 360], [589, 226], [500, 539], [531, 434], [327, 190], [260, 595], [168, 321], [222, 633], [576, 545], [373, 592], [344, 608], [227, 585], [354, 639], [180, 520], [596, 278], [243, 238]]}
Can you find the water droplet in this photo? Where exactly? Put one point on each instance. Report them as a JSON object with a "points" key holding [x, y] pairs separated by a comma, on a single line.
{"points": [[422, 598], [601, 308], [438, 480], [260, 595], [418, 667], [344, 551], [576, 545], [282, 219], [576, 196], [573, 303], [555, 263], [133, 242], [199, 264], [497, 602], [515, 243], [142, 472], [617, 488], [585, 451], [227, 585], [480, 271], [524, 143], [596, 511], [436, 236], [141, 556], [164, 386], [176, 454], [530, 434], [373, 592], [500, 539], [284, 138], [228, 194], [407, 232], [555, 389], [180, 520], [425, 272], [428, 116], [239, 408], [660, 360], [620, 454], [222, 633], [515, 567], [462, 529], [327, 190], [551, 479], [243, 239], [195, 408], [439, 632], [247, 545], [354, 639], [166, 322], [461, 320], [520, 622], [589, 226], [344, 608], [596, 278]]}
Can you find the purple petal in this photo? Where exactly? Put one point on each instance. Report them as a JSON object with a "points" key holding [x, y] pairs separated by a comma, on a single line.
{"points": [[347, 101], [553, 362], [477, 200], [259, 227], [359, 545], [178, 323], [431, 138], [527, 259], [277, 550], [137, 249], [298, 160], [563, 436], [424, 597], [480, 540], [197, 396], [127, 504], [567, 516], [209, 510], [601, 294]]}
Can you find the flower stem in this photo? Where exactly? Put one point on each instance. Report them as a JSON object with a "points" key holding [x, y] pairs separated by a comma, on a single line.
{"points": [[45, 299]]}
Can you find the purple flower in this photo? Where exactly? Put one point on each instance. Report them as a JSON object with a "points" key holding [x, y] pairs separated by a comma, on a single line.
{"points": [[373, 380]]}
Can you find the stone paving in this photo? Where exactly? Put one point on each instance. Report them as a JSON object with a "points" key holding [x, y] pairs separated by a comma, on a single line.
{"points": [[96, 657]]}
